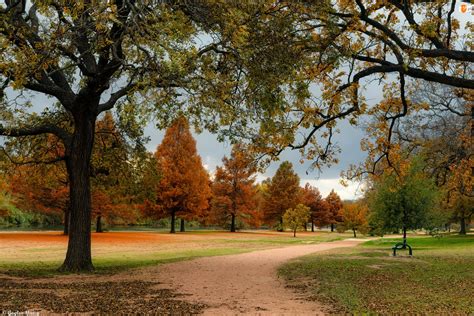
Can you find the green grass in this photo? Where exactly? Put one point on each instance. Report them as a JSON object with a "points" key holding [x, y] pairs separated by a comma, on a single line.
{"points": [[287, 241], [438, 279], [114, 263]]}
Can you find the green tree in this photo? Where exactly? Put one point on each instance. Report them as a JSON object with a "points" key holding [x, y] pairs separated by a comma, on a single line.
{"points": [[293, 217], [283, 192], [403, 201]]}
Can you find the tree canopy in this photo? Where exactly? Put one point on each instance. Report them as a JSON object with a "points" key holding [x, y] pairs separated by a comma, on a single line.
{"points": [[233, 188], [294, 217], [183, 189], [404, 202], [319, 208], [283, 193]]}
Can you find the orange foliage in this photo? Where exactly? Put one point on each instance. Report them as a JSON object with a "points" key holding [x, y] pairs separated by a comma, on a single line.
{"points": [[319, 208], [283, 194], [233, 191], [334, 203], [184, 187], [354, 217]]}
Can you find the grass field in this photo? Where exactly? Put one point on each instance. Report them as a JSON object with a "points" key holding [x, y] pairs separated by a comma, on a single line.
{"points": [[41, 253], [438, 279]]}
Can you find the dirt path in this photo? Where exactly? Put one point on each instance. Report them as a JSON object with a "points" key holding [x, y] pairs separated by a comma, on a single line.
{"points": [[244, 283]]}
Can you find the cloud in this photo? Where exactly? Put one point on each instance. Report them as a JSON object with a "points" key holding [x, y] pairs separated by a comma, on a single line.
{"points": [[350, 192]]}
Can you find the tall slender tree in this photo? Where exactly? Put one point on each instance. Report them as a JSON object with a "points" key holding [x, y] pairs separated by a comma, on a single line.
{"points": [[311, 197], [183, 189], [284, 192], [233, 188], [334, 204]]}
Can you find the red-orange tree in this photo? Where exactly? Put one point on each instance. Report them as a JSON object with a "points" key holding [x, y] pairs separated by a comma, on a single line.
{"points": [[184, 187], [354, 217], [335, 205], [39, 180], [283, 193], [318, 206], [233, 190]]}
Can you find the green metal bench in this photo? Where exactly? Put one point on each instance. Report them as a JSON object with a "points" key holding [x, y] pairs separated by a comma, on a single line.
{"points": [[400, 246]]}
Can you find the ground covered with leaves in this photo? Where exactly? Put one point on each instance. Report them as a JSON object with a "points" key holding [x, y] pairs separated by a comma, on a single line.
{"points": [[438, 279], [124, 297]]}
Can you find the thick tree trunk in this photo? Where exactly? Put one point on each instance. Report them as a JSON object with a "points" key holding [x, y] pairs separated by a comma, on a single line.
{"points": [[462, 230], [404, 235], [78, 162], [312, 225], [332, 227], [181, 228], [353, 230], [66, 222], [232, 224], [98, 225], [294, 232], [173, 222]]}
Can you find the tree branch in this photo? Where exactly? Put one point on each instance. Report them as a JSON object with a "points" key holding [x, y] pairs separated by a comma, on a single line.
{"points": [[34, 131]]}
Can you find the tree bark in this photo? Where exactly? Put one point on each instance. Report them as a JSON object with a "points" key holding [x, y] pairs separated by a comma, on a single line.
{"points": [[98, 225], [332, 227], [78, 162], [66, 222], [462, 230], [181, 228], [312, 225], [173, 222], [294, 232], [404, 235], [232, 223], [354, 231]]}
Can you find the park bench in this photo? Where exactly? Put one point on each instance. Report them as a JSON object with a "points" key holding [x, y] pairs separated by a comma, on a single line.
{"points": [[400, 246]]}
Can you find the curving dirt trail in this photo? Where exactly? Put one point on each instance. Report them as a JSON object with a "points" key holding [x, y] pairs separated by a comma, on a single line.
{"points": [[244, 283]]}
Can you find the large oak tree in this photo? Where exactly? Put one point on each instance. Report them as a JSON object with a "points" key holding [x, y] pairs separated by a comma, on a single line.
{"points": [[90, 57]]}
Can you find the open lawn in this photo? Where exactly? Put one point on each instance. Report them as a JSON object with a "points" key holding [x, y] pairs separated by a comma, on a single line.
{"points": [[438, 279], [41, 253]]}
